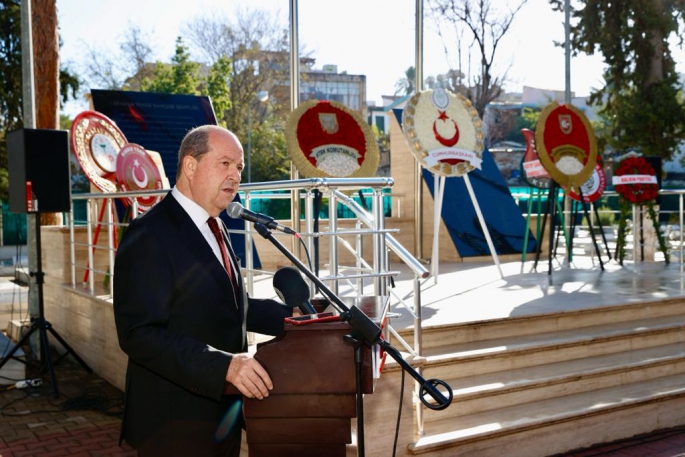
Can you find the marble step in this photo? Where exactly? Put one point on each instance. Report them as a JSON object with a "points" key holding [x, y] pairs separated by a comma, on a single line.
{"points": [[559, 424], [470, 359], [442, 335], [480, 393]]}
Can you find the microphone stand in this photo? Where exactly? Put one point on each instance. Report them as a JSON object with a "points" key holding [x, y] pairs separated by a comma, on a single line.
{"points": [[368, 332]]}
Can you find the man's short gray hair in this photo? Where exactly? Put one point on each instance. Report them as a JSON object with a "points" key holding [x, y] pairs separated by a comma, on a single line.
{"points": [[195, 144]]}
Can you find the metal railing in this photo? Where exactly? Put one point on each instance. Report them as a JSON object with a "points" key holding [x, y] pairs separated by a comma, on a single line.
{"points": [[354, 280], [382, 240]]}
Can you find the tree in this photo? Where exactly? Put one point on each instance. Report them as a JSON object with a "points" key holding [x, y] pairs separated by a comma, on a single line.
{"points": [[452, 81], [257, 47], [237, 59], [406, 85], [487, 27], [640, 100], [123, 70], [270, 161], [10, 81], [180, 77], [10, 68]]}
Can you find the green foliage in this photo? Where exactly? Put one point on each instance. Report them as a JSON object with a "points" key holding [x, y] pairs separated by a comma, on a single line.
{"points": [[180, 77], [270, 160], [641, 102], [382, 139], [529, 118], [218, 85], [10, 66], [10, 82], [69, 85], [65, 122]]}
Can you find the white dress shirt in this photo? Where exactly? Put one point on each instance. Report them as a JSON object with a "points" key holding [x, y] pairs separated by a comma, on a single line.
{"points": [[199, 217]]}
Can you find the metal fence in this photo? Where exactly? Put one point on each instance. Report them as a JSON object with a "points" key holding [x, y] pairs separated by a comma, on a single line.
{"points": [[103, 227]]}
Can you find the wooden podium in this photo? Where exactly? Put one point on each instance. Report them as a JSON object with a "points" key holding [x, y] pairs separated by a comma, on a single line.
{"points": [[309, 410]]}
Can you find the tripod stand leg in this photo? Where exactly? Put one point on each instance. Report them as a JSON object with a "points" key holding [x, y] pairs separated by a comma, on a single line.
{"points": [[592, 231], [66, 346], [47, 358]]}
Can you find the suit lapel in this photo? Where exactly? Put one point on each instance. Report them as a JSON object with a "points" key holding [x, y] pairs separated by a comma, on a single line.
{"points": [[191, 238], [235, 265]]}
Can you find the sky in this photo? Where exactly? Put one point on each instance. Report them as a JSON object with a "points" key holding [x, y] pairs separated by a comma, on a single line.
{"points": [[375, 38]]}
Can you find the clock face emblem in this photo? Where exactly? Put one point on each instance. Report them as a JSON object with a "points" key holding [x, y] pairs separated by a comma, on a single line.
{"points": [[104, 152]]}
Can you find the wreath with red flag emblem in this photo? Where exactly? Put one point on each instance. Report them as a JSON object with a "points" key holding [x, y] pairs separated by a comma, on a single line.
{"points": [[328, 140], [566, 144]]}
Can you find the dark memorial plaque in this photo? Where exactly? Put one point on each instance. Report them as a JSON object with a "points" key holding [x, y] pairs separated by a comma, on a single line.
{"points": [[158, 122]]}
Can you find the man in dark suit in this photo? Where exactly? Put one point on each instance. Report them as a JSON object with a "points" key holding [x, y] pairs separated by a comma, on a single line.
{"points": [[182, 312]]}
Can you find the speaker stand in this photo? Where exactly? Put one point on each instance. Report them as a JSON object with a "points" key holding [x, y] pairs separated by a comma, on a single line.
{"points": [[42, 326]]}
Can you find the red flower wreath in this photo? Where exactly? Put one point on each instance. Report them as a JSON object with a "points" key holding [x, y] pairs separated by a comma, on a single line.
{"points": [[636, 193]]}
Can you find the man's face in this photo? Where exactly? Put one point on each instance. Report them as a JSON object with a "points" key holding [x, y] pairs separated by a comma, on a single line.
{"points": [[216, 176]]}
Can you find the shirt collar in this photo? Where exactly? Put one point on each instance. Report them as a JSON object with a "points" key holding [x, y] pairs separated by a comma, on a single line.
{"points": [[197, 213]]}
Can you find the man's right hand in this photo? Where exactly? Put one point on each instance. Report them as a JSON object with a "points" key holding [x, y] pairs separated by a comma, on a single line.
{"points": [[248, 376]]}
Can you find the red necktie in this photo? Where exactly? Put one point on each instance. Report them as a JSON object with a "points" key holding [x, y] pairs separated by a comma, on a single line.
{"points": [[214, 227]]}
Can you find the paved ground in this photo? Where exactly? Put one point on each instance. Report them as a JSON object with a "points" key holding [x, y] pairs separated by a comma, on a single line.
{"points": [[83, 421]]}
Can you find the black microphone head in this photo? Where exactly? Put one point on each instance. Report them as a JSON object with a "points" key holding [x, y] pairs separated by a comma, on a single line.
{"points": [[290, 286], [234, 210]]}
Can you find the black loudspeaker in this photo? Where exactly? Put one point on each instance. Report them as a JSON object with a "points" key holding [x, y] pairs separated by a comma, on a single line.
{"points": [[38, 162]]}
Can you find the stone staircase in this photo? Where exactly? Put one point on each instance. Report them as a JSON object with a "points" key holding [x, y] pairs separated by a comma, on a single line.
{"points": [[547, 384]]}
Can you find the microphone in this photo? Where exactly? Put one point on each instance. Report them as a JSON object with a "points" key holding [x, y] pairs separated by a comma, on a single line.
{"points": [[238, 211], [292, 289]]}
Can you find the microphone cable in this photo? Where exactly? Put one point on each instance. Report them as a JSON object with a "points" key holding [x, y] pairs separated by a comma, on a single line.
{"points": [[309, 262], [399, 416]]}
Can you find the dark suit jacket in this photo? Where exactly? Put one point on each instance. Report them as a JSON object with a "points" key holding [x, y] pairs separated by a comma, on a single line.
{"points": [[179, 321]]}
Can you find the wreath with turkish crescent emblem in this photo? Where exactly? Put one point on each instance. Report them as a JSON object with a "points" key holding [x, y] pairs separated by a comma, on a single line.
{"points": [[566, 145], [96, 141], [136, 170], [326, 139], [444, 132]]}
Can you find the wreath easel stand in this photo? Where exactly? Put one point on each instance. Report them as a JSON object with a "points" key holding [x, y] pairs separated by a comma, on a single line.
{"points": [[574, 211], [638, 209], [553, 210], [439, 191], [591, 228], [533, 194]]}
